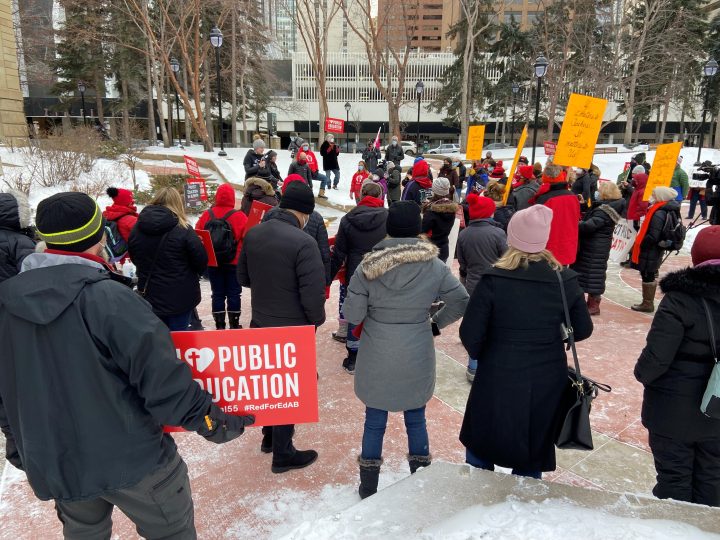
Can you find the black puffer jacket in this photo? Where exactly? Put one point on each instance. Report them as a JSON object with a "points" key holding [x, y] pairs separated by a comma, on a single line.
{"points": [[360, 230], [15, 241], [252, 163], [316, 228], [302, 170], [651, 254], [282, 266], [503, 214], [394, 153], [438, 221], [595, 239], [174, 287], [585, 185], [676, 363]]}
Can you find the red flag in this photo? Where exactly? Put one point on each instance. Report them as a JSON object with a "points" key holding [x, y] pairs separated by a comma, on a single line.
{"points": [[377, 139]]}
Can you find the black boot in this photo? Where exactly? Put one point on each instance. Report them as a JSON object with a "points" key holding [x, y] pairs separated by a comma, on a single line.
{"points": [[219, 317], [234, 319], [417, 462], [299, 460], [369, 476], [266, 444], [349, 362]]}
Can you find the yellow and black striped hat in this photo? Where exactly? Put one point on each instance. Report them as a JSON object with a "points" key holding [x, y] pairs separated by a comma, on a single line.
{"points": [[70, 222]]}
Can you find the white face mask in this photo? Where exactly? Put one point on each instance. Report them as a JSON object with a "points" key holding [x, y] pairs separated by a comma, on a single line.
{"points": [[331, 140], [394, 143], [305, 147]]}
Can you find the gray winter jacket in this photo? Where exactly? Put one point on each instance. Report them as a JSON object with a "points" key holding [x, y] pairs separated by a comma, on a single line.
{"points": [[521, 195], [302, 170], [479, 246], [391, 293]]}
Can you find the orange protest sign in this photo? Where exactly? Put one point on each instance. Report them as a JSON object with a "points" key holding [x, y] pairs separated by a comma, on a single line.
{"points": [[663, 167], [475, 142], [268, 372], [580, 130], [511, 174]]}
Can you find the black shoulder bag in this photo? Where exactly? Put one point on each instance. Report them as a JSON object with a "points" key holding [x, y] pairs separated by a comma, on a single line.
{"points": [[574, 410], [143, 292]]}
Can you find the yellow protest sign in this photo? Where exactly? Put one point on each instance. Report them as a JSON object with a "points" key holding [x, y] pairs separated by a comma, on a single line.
{"points": [[475, 142], [580, 130], [663, 167], [511, 174]]}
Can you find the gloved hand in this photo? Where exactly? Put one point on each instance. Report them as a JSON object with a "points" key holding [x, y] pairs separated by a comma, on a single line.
{"points": [[219, 427]]}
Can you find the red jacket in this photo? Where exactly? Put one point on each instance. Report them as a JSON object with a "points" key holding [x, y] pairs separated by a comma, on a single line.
{"points": [[224, 203], [124, 216], [357, 182], [312, 161], [637, 208], [563, 241]]}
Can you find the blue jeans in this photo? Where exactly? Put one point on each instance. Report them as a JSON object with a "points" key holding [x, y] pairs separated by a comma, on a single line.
{"points": [[472, 364], [341, 301], [336, 174], [352, 343], [472, 459], [324, 182], [224, 285], [177, 323], [375, 423], [694, 199]]}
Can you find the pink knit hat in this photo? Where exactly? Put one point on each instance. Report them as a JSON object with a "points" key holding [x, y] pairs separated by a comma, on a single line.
{"points": [[529, 229]]}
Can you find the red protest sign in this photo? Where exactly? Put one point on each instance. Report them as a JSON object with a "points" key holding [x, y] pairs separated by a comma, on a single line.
{"points": [[203, 187], [550, 148], [268, 372], [257, 213], [192, 167], [208, 245], [335, 125]]}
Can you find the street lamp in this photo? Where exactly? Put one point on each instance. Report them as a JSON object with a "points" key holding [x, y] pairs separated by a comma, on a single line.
{"points": [[515, 90], [216, 39], [419, 89], [541, 65], [347, 121], [709, 70], [175, 66], [81, 89]]}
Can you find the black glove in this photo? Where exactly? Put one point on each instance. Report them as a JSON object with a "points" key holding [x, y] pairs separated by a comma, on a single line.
{"points": [[219, 427], [11, 453], [435, 329]]}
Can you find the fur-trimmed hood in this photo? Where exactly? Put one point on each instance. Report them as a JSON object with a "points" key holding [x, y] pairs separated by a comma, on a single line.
{"points": [[610, 211], [392, 253], [698, 281], [257, 183], [442, 206], [14, 211]]}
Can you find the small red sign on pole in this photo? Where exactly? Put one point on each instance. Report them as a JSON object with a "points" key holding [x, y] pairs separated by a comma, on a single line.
{"points": [[335, 125], [203, 187], [192, 167], [550, 147], [257, 213]]}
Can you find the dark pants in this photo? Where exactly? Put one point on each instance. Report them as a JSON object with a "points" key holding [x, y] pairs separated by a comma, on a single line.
{"points": [[695, 197], [225, 286], [648, 277], [375, 424], [282, 443], [177, 323], [472, 459], [686, 471], [160, 506], [336, 174]]}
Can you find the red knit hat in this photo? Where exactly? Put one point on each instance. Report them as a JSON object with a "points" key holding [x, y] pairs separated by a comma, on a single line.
{"points": [[290, 179], [498, 172], [121, 197], [480, 207], [420, 169], [706, 246], [527, 172]]}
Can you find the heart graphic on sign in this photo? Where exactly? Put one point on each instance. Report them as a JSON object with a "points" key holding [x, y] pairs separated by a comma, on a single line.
{"points": [[200, 358]]}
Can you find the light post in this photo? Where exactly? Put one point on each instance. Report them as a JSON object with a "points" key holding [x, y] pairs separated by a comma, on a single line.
{"points": [[216, 39], [541, 65], [347, 121], [81, 89], [419, 89], [710, 69], [175, 66], [515, 90]]}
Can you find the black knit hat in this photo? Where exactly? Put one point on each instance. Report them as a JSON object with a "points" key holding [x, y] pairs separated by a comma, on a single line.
{"points": [[70, 222], [403, 220], [299, 197]]}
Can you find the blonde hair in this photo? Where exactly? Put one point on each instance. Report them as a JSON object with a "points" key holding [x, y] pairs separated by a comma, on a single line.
{"points": [[495, 190], [171, 199], [514, 259], [609, 191]]}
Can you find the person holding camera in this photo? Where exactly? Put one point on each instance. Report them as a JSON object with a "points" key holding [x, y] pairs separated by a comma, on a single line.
{"points": [[255, 159]]}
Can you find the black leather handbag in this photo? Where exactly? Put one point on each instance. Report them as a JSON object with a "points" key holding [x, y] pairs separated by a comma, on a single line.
{"points": [[574, 411]]}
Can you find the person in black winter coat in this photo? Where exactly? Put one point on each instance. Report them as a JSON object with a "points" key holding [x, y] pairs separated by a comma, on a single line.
{"points": [[394, 152], [329, 152], [15, 233], [170, 259], [393, 183], [712, 196], [439, 216], [675, 367], [595, 239], [585, 184], [275, 176], [503, 212], [282, 267], [359, 231], [300, 167], [511, 414], [82, 409], [371, 156], [255, 159]]}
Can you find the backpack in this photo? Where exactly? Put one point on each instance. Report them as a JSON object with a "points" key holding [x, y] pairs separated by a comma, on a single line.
{"points": [[116, 244], [222, 236], [673, 233]]}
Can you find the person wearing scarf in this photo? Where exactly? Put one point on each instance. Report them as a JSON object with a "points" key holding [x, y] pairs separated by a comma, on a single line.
{"points": [[419, 189]]}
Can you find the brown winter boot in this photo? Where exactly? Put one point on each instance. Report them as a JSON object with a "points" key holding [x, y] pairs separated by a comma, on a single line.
{"points": [[321, 194], [648, 302], [593, 304]]}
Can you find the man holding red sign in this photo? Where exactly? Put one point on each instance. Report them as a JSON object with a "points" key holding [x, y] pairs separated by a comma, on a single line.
{"points": [[283, 268]]}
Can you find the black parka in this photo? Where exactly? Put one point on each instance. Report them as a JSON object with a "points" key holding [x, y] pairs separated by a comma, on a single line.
{"points": [[359, 231], [394, 153], [15, 241], [651, 254], [438, 220]]}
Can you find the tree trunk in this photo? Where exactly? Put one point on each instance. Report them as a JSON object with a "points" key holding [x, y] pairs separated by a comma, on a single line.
{"points": [[629, 113], [657, 125], [394, 117], [99, 95], [210, 142], [666, 110], [682, 124], [233, 79], [188, 124], [465, 91], [716, 139], [159, 87], [638, 130], [127, 136], [152, 128]]}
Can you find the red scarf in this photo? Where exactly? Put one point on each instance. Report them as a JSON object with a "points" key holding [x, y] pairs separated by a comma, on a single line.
{"points": [[643, 232], [424, 182], [372, 202]]}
